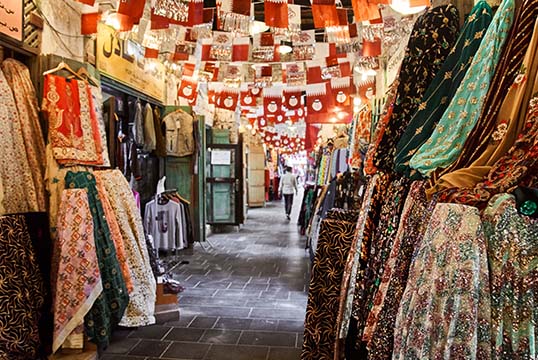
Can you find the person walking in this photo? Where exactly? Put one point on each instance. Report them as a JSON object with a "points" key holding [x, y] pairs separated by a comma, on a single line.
{"points": [[288, 186]]}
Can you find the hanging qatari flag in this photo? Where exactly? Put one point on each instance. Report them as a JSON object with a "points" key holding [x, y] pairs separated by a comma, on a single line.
{"points": [[241, 7], [276, 13]]}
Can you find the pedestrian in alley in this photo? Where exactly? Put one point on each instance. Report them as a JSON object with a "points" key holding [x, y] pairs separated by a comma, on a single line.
{"points": [[288, 187]]}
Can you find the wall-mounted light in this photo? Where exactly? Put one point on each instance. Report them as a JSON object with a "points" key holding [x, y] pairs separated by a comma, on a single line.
{"points": [[257, 27]]}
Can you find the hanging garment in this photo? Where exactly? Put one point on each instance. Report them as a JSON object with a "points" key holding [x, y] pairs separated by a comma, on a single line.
{"points": [[506, 73], [109, 307], [138, 127], [446, 141], [509, 123], [179, 137], [115, 235], [141, 308], [324, 291], [97, 100], [160, 133], [19, 191], [22, 291], [73, 127], [150, 138], [431, 41], [445, 308], [369, 166], [379, 331], [76, 278], [513, 259], [164, 223], [443, 86], [519, 163], [351, 269], [18, 78]]}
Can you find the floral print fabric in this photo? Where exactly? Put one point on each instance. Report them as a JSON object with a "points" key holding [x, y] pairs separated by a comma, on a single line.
{"points": [[446, 141], [518, 165], [445, 311], [19, 191], [431, 41], [75, 266], [18, 78], [22, 291], [443, 87], [141, 308], [512, 237]]}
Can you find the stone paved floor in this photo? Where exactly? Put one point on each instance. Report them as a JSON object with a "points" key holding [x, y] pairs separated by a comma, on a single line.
{"points": [[245, 298]]}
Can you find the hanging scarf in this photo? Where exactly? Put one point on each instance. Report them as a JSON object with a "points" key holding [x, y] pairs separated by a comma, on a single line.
{"points": [[443, 87], [445, 144]]}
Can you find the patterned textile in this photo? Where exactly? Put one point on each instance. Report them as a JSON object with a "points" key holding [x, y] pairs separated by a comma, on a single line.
{"points": [[150, 138], [76, 279], [505, 75], [343, 215], [443, 86], [19, 192], [431, 41], [381, 244], [18, 78], [369, 166], [445, 308], [351, 268], [97, 101], [379, 329], [55, 184], [325, 283], [510, 120], [513, 260], [109, 307], [446, 141], [138, 128], [115, 235], [520, 162], [141, 308], [21, 291], [179, 133], [160, 138], [73, 126]]}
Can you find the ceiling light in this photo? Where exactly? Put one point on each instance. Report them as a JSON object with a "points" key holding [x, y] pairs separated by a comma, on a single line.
{"points": [[357, 101], [402, 6], [285, 47], [342, 115], [257, 27]]}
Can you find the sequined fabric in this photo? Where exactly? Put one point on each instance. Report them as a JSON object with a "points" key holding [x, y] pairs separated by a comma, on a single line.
{"points": [[443, 87], [324, 292], [379, 330], [445, 309], [76, 278], [109, 307], [431, 41], [21, 289], [446, 142], [513, 260]]}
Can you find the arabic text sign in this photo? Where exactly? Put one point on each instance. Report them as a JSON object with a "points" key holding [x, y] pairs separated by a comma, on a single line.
{"points": [[11, 19], [124, 61]]}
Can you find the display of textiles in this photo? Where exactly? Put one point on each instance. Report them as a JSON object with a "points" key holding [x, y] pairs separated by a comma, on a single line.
{"points": [[167, 220]]}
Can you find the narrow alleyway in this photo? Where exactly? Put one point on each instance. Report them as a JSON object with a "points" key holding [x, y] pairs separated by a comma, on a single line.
{"points": [[245, 297]]}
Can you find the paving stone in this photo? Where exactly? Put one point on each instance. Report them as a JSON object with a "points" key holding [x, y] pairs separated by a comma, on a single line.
{"points": [[203, 322], [155, 332], [150, 348], [217, 336], [268, 338], [237, 352], [284, 353], [185, 334], [186, 350]]}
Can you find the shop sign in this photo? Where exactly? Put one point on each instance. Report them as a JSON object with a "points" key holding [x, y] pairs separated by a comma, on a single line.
{"points": [[124, 61], [11, 19]]}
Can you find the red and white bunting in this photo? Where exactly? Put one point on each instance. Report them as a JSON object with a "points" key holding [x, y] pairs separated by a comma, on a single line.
{"points": [[292, 98], [228, 98], [276, 13], [272, 101], [319, 101], [188, 89], [241, 49], [342, 89], [241, 7]]}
